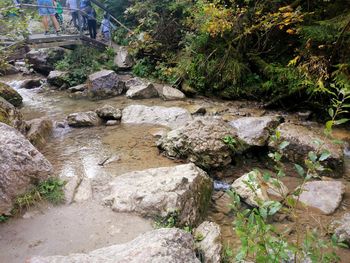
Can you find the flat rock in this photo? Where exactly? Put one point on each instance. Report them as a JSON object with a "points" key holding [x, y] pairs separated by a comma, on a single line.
{"points": [[57, 78], [39, 131], [108, 112], [171, 117], [341, 228], [255, 131], [83, 119], [263, 190], [143, 91], [10, 94], [105, 84], [170, 93], [21, 164], [157, 246], [210, 245], [44, 60], [159, 191], [329, 195]]}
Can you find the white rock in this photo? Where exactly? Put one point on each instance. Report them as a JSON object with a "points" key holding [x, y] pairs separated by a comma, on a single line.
{"points": [[169, 93], [83, 119], [143, 91]]}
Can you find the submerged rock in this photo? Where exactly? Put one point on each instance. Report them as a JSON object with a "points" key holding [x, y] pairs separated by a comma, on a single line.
{"points": [[201, 141], [123, 59], [11, 116], [57, 78], [143, 91], [341, 228], [81, 87], [184, 189], [83, 119], [44, 60], [105, 84], [169, 93], [10, 94], [263, 190], [39, 131], [108, 112], [171, 117], [20, 166], [157, 246]]}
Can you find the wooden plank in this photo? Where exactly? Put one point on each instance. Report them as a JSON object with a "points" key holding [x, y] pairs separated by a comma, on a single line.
{"points": [[56, 44]]}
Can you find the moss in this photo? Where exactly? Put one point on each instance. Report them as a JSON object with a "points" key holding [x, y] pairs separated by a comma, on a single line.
{"points": [[10, 95], [4, 118]]}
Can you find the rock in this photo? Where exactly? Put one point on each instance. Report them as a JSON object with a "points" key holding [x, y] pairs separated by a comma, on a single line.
{"points": [[77, 88], [188, 90], [108, 112], [10, 94], [329, 195], [157, 246], [201, 141], [341, 228], [171, 117], [198, 110], [143, 91], [39, 131], [104, 84], [11, 116], [264, 190], [112, 122], [255, 131], [222, 202], [158, 132], [20, 165], [134, 82], [123, 59], [83, 119], [79, 95], [169, 93], [57, 78], [43, 60], [31, 83], [302, 141], [209, 243], [84, 191], [8, 70], [185, 189]]}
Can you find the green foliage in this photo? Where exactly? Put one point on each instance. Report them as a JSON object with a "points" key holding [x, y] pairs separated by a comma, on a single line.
{"points": [[3, 218], [168, 221], [143, 68]]}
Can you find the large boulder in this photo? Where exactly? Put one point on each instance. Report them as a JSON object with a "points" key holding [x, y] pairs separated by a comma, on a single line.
{"points": [[83, 119], [184, 189], [143, 91], [104, 84], [341, 228], [323, 196], [157, 246], [57, 78], [302, 140], [123, 59], [11, 116], [136, 81], [39, 131], [21, 164], [255, 190], [170, 93], [43, 60], [108, 112], [201, 141], [209, 243], [171, 117], [10, 94], [255, 131]]}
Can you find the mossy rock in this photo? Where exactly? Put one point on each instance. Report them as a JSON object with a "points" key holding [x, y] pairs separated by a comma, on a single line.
{"points": [[10, 95]]}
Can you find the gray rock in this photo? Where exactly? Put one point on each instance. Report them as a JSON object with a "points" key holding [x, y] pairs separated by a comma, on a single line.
{"points": [[209, 244], [31, 83], [20, 165], [57, 78], [39, 131], [123, 59], [112, 122], [8, 70], [201, 141], [84, 191], [108, 112], [134, 82], [302, 141], [43, 60], [104, 84], [10, 94], [11, 116], [157, 246], [169, 93], [255, 131], [341, 228], [143, 91], [171, 117], [159, 191], [197, 110], [264, 191], [329, 195], [83, 119], [77, 88]]}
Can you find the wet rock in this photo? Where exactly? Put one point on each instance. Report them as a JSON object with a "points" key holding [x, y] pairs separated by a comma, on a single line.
{"points": [[112, 122], [83, 119], [31, 83], [10, 94], [11, 116], [169, 93], [158, 132], [302, 141], [57, 78], [39, 131], [161, 245], [77, 88], [84, 191], [71, 186], [222, 202], [159, 191], [143, 91], [255, 131], [341, 228], [20, 165], [209, 244], [79, 95], [171, 117], [264, 190], [104, 84], [9, 70], [197, 110], [329, 195], [201, 141], [123, 59], [108, 112], [43, 60]]}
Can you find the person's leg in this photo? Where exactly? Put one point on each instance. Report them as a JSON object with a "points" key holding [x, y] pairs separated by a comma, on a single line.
{"points": [[94, 29], [45, 23], [55, 23], [90, 28], [75, 19]]}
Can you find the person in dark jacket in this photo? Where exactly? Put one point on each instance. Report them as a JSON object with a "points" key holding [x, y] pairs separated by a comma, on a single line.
{"points": [[91, 20]]}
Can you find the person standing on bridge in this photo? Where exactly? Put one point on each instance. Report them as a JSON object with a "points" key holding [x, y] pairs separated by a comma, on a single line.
{"points": [[47, 9], [73, 6], [91, 20]]}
